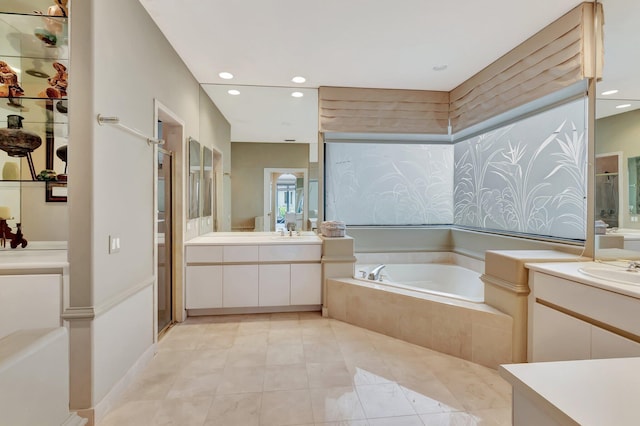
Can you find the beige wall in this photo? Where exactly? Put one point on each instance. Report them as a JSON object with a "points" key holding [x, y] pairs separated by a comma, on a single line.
{"points": [[620, 133], [248, 161], [120, 64]]}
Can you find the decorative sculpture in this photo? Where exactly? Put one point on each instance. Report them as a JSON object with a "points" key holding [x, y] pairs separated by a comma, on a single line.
{"points": [[58, 83], [17, 238], [17, 142], [9, 86]]}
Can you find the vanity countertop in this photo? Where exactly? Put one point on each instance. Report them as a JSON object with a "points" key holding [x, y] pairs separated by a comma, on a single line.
{"points": [[254, 238], [584, 392], [33, 259], [571, 271]]}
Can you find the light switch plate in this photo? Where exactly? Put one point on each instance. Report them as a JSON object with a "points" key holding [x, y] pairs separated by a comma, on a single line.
{"points": [[114, 244]]}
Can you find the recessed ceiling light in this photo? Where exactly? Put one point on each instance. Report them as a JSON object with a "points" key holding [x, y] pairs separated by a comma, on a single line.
{"points": [[609, 92], [440, 67], [298, 79], [233, 92], [297, 94], [226, 75], [623, 106]]}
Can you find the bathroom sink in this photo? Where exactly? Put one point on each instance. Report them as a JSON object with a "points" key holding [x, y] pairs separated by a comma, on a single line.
{"points": [[609, 273], [286, 237]]}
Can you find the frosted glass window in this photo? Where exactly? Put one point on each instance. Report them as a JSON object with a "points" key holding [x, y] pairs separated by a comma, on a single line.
{"points": [[526, 177], [389, 184]]}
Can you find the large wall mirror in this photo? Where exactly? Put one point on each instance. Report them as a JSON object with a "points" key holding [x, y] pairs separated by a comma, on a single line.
{"points": [[617, 130], [270, 130]]}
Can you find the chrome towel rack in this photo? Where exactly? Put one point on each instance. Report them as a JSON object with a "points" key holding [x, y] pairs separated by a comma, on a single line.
{"points": [[116, 122]]}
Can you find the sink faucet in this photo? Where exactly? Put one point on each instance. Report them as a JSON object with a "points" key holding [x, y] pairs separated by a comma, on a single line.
{"points": [[375, 273], [291, 227]]}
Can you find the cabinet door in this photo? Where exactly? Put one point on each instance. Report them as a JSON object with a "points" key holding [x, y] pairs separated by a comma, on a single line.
{"points": [[204, 287], [274, 285], [306, 284], [559, 337], [240, 288], [605, 344]]}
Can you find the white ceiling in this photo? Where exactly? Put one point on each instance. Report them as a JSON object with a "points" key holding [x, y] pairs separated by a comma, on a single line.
{"points": [[357, 43]]}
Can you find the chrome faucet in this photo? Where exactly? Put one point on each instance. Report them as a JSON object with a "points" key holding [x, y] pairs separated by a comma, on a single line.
{"points": [[291, 227], [633, 266], [375, 273]]}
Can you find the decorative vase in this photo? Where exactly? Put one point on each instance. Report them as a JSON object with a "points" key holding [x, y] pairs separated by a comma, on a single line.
{"points": [[11, 171]]}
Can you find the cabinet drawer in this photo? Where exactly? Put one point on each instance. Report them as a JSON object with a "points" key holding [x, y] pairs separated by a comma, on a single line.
{"points": [[290, 252], [605, 344], [611, 308], [240, 253], [559, 337], [204, 254]]}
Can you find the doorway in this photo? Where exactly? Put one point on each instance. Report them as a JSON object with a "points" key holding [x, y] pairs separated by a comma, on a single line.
{"points": [[285, 198], [169, 219], [608, 188]]}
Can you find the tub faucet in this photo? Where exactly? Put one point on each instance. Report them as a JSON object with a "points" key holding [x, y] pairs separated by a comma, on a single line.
{"points": [[633, 266], [375, 273]]}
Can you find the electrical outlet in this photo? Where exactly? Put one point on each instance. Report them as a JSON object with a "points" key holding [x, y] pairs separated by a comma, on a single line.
{"points": [[114, 244]]}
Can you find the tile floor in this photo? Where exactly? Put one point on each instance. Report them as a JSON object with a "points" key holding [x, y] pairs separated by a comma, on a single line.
{"points": [[302, 369]]}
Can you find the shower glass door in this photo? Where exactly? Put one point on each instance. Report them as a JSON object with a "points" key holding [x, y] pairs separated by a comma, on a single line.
{"points": [[164, 242]]}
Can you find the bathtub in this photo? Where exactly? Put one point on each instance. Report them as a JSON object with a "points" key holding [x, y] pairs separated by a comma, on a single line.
{"points": [[449, 316], [447, 280]]}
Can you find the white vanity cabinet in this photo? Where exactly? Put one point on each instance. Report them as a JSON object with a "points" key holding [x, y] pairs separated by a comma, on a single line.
{"points": [[572, 318], [256, 273]]}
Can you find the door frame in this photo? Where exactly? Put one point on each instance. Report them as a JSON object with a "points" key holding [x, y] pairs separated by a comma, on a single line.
{"points": [[175, 141]]}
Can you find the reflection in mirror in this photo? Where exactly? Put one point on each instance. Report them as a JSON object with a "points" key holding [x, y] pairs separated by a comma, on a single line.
{"points": [[617, 128], [207, 181], [607, 189], [634, 186], [313, 204], [194, 178]]}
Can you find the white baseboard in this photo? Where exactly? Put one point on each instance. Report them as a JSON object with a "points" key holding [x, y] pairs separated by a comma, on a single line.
{"points": [[109, 401], [75, 420]]}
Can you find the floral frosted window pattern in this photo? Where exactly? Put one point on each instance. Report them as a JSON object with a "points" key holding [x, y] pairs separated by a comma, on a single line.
{"points": [[389, 183], [527, 177]]}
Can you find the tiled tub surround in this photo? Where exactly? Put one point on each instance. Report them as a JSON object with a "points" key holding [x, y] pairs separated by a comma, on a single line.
{"points": [[471, 331]]}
